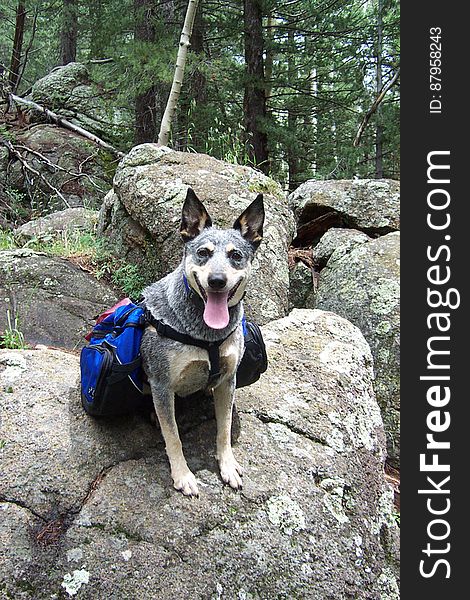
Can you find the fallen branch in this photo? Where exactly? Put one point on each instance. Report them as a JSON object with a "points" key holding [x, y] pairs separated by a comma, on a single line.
{"points": [[58, 120], [304, 255], [31, 169], [101, 61], [374, 107], [57, 167]]}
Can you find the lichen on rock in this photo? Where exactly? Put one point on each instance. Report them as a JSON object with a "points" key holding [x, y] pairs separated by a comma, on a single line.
{"points": [[364, 287], [311, 519]]}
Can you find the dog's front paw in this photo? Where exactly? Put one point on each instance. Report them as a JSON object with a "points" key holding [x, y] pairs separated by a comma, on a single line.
{"points": [[185, 482], [231, 472]]}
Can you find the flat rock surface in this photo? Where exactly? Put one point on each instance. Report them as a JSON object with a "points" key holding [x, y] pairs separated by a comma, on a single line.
{"points": [[88, 509], [68, 220]]}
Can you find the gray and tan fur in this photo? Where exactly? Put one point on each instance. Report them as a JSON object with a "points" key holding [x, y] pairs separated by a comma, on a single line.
{"points": [[217, 264]]}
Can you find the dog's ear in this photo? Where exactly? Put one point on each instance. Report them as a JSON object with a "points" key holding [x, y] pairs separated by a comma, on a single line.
{"points": [[194, 217], [250, 222]]}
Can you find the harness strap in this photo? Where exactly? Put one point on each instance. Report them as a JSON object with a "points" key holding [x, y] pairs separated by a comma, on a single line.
{"points": [[214, 361], [212, 347], [120, 372], [128, 367]]}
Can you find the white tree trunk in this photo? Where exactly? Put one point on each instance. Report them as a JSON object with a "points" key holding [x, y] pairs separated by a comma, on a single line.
{"points": [[168, 115]]}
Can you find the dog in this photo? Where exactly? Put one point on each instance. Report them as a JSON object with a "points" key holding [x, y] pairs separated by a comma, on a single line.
{"points": [[201, 298]]}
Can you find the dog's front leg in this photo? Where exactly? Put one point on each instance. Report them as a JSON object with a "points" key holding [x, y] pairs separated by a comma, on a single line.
{"points": [[183, 479], [230, 470]]}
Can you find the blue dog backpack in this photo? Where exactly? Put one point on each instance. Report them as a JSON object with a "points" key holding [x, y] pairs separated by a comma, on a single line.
{"points": [[111, 374], [110, 365]]}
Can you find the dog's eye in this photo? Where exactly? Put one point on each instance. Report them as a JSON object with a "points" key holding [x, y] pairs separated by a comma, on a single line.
{"points": [[235, 255], [203, 252]]}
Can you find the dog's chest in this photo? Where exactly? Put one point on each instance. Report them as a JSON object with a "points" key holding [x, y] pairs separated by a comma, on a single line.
{"points": [[189, 367]]}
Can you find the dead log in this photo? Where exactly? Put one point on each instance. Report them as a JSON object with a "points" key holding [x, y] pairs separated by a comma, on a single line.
{"points": [[307, 234], [58, 120]]}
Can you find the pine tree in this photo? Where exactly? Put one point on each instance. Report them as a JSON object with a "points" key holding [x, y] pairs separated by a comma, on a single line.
{"points": [[16, 54], [69, 32], [254, 104]]}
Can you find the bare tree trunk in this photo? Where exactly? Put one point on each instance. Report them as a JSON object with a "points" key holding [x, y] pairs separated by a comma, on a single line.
{"points": [[292, 156], [269, 62], [192, 124], [254, 104], [69, 32], [379, 173], [375, 106], [145, 126], [164, 135], [17, 46], [24, 62], [168, 14]]}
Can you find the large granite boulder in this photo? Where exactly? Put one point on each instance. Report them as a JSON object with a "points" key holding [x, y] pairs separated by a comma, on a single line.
{"points": [[371, 205], [88, 508], [140, 217], [66, 161], [303, 279], [54, 300], [363, 286], [70, 91]]}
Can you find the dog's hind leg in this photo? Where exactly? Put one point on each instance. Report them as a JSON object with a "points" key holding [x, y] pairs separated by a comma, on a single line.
{"points": [[230, 470], [183, 479]]}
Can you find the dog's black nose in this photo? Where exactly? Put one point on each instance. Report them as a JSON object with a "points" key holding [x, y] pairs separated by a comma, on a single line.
{"points": [[217, 281]]}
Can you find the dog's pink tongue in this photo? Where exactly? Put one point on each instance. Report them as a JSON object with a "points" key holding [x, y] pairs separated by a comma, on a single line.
{"points": [[216, 310]]}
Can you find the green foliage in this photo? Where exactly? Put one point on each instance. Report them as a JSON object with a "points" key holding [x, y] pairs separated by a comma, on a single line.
{"points": [[6, 133], [115, 269], [66, 243], [128, 279], [86, 249], [7, 240], [226, 143], [12, 338], [17, 206], [320, 76]]}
